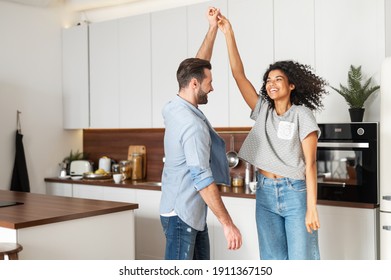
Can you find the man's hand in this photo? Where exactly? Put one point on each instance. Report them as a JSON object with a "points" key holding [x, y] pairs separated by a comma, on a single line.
{"points": [[212, 14], [233, 236], [206, 49]]}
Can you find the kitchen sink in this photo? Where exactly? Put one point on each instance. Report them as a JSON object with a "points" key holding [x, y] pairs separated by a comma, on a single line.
{"points": [[151, 183]]}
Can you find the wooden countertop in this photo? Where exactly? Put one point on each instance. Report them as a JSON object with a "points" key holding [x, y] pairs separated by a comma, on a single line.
{"points": [[224, 191], [39, 209]]}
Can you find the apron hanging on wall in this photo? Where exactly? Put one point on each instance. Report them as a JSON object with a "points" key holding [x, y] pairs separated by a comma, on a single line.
{"points": [[20, 178]]}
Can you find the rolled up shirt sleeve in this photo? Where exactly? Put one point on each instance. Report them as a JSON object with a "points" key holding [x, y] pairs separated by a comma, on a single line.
{"points": [[197, 145]]}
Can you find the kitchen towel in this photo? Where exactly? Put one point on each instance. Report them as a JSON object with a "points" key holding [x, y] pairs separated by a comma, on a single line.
{"points": [[20, 178]]}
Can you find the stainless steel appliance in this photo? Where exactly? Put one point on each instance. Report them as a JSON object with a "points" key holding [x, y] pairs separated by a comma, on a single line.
{"points": [[347, 162]]}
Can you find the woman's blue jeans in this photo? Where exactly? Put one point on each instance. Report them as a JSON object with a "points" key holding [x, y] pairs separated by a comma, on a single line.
{"points": [[184, 242], [281, 206]]}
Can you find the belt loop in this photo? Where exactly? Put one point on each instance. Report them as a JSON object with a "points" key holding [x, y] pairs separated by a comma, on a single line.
{"points": [[261, 178]]}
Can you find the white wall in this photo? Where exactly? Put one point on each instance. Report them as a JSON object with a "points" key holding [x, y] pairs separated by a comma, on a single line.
{"points": [[30, 81], [388, 27]]}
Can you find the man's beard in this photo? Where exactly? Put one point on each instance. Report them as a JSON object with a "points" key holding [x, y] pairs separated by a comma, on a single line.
{"points": [[202, 97]]}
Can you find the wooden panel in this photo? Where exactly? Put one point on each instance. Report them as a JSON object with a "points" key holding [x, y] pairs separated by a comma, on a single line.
{"points": [[115, 143]]}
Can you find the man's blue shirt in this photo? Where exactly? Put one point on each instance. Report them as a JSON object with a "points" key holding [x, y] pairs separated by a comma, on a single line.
{"points": [[195, 157]]}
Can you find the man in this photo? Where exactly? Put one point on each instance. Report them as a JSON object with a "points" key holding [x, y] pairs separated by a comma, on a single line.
{"points": [[195, 161]]}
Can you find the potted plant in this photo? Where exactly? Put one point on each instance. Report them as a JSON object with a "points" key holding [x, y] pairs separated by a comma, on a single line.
{"points": [[356, 93]]}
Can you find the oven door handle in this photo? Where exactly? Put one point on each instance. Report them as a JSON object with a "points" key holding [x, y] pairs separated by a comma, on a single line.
{"points": [[342, 145], [335, 184]]}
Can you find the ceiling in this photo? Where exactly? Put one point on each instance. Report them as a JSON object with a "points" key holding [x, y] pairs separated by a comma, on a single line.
{"points": [[98, 10], [75, 5]]}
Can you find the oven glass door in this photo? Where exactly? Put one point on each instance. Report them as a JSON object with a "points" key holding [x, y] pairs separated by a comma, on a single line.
{"points": [[347, 171]]}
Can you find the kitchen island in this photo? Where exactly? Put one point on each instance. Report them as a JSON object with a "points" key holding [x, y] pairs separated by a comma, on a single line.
{"points": [[55, 227]]}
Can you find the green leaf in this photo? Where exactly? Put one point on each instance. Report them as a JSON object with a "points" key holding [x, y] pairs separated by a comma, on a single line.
{"points": [[356, 92]]}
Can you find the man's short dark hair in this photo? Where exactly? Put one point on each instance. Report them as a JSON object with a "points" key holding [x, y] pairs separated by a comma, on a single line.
{"points": [[191, 68]]}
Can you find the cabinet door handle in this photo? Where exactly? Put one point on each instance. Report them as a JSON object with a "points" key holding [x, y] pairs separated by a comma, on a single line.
{"points": [[387, 228], [386, 197]]}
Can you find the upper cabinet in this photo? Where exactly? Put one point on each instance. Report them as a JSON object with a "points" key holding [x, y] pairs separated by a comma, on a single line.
{"points": [[294, 35], [75, 77], [121, 73], [135, 76], [169, 48], [348, 33], [216, 110], [252, 22], [104, 75]]}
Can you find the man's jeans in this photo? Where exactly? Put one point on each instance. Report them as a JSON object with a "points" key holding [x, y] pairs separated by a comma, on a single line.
{"points": [[184, 242]]}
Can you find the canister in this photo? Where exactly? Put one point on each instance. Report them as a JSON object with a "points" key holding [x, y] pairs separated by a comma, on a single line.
{"points": [[237, 181], [115, 168], [125, 167], [105, 163], [137, 166]]}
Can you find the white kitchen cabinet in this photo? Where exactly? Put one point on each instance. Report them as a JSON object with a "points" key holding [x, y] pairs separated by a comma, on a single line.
{"points": [[242, 212], [133, 60], [169, 48], [121, 73], [252, 22], [104, 75], [120, 194], [387, 5], [59, 189], [385, 183], [88, 191], [348, 32], [197, 25], [294, 36], [75, 77], [150, 239], [135, 77], [348, 233], [385, 235]]}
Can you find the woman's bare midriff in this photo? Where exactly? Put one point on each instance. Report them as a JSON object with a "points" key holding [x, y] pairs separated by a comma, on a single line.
{"points": [[269, 174]]}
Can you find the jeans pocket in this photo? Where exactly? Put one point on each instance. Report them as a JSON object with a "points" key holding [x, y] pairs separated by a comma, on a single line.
{"points": [[164, 221], [296, 185]]}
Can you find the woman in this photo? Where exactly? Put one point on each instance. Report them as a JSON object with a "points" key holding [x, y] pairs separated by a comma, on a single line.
{"points": [[282, 145]]}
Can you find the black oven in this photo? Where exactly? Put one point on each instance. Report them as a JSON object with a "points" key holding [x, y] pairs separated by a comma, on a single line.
{"points": [[347, 162]]}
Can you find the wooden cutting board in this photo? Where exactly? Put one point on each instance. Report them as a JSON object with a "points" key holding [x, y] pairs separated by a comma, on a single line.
{"points": [[140, 149]]}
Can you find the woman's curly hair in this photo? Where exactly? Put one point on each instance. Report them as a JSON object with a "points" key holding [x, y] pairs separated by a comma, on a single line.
{"points": [[309, 89]]}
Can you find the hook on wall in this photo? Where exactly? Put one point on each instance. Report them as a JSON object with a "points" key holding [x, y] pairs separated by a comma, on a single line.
{"points": [[18, 124]]}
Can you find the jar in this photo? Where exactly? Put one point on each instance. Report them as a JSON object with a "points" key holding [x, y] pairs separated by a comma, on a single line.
{"points": [[237, 181], [115, 168], [125, 168], [137, 166]]}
